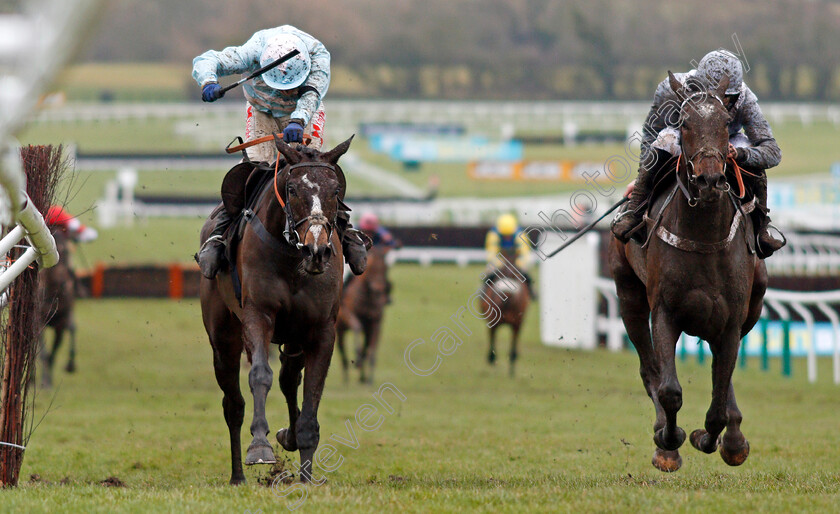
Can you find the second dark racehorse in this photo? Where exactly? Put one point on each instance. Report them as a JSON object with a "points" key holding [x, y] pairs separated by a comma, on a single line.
{"points": [[699, 275]]}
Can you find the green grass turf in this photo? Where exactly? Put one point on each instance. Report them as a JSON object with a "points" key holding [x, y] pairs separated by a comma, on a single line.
{"points": [[571, 432]]}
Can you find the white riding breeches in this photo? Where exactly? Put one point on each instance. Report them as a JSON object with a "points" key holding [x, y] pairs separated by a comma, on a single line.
{"points": [[259, 124]]}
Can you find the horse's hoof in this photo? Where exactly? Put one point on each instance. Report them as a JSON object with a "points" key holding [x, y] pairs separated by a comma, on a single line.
{"points": [[70, 368], [260, 454], [673, 443], [667, 462], [281, 438], [700, 441], [737, 457], [237, 480]]}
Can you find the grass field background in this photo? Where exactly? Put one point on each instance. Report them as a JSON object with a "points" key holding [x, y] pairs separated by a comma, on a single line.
{"points": [[571, 432]]}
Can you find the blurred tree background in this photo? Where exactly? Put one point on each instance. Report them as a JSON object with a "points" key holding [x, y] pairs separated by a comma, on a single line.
{"points": [[499, 49]]}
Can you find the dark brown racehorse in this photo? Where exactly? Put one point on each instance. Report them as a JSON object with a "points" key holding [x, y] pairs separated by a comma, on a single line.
{"points": [[57, 285], [510, 294], [697, 275], [362, 311], [290, 290]]}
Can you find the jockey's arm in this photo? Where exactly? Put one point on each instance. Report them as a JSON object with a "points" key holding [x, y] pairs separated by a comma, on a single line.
{"points": [[386, 237], [662, 109], [492, 245], [523, 252], [212, 64], [318, 79], [764, 152]]}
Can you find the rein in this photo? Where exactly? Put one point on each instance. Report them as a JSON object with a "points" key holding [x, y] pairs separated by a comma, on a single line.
{"points": [[254, 142]]}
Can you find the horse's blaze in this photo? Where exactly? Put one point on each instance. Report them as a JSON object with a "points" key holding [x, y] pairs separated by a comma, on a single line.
{"points": [[316, 236]]}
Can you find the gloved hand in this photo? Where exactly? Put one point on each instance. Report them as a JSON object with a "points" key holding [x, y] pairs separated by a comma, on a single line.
{"points": [[293, 133], [211, 92]]}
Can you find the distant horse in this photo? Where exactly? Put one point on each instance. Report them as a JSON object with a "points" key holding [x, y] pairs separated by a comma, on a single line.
{"points": [[362, 309], [510, 294], [289, 264], [57, 285], [699, 275]]}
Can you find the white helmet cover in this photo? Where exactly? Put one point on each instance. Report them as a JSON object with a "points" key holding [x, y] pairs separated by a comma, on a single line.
{"points": [[716, 64], [291, 73]]}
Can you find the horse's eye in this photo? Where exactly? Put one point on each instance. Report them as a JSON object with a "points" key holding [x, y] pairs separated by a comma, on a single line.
{"points": [[337, 192], [292, 191]]}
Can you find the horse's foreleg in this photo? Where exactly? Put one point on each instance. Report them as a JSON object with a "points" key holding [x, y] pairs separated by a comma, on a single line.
{"points": [[71, 361], [725, 355], [227, 375], [491, 355], [59, 338], [373, 331], [258, 330], [635, 313], [734, 448], [343, 354], [514, 343], [290, 376], [307, 428], [669, 393], [44, 355]]}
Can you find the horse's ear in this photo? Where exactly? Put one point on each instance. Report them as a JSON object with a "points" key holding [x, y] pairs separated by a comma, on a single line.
{"points": [[333, 155], [721, 87], [676, 85], [292, 156]]}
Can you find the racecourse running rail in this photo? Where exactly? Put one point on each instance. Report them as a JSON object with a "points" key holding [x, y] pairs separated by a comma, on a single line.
{"points": [[34, 46]]}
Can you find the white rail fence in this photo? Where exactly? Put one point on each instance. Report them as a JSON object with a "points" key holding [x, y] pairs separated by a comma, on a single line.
{"points": [[482, 114]]}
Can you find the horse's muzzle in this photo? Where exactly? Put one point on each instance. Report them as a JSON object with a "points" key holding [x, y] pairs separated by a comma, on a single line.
{"points": [[316, 258], [711, 185]]}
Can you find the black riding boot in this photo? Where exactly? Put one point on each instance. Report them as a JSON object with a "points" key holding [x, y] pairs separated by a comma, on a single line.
{"points": [[633, 215], [211, 257], [354, 243], [767, 244]]}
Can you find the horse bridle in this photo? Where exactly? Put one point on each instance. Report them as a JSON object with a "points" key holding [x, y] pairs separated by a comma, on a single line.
{"points": [[290, 232], [702, 153]]}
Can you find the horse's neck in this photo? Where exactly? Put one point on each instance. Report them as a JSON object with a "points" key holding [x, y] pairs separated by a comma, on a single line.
{"points": [[703, 223]]}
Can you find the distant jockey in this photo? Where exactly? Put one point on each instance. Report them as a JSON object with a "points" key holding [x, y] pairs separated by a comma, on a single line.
{"points": [[751, 141], [380, 235], [369, 224], [284, 99], [58, 217], [505, 238]]}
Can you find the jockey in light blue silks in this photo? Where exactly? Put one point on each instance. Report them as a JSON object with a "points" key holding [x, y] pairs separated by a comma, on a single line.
{"points": [[751, 141], [284, 99]]}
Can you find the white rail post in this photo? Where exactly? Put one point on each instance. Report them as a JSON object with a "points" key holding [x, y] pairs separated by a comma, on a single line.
{"points": [[812, 348], [832, 316]]}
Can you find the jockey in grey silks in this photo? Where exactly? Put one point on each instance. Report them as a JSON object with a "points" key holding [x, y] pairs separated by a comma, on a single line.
{"points": [[751, 140]]}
